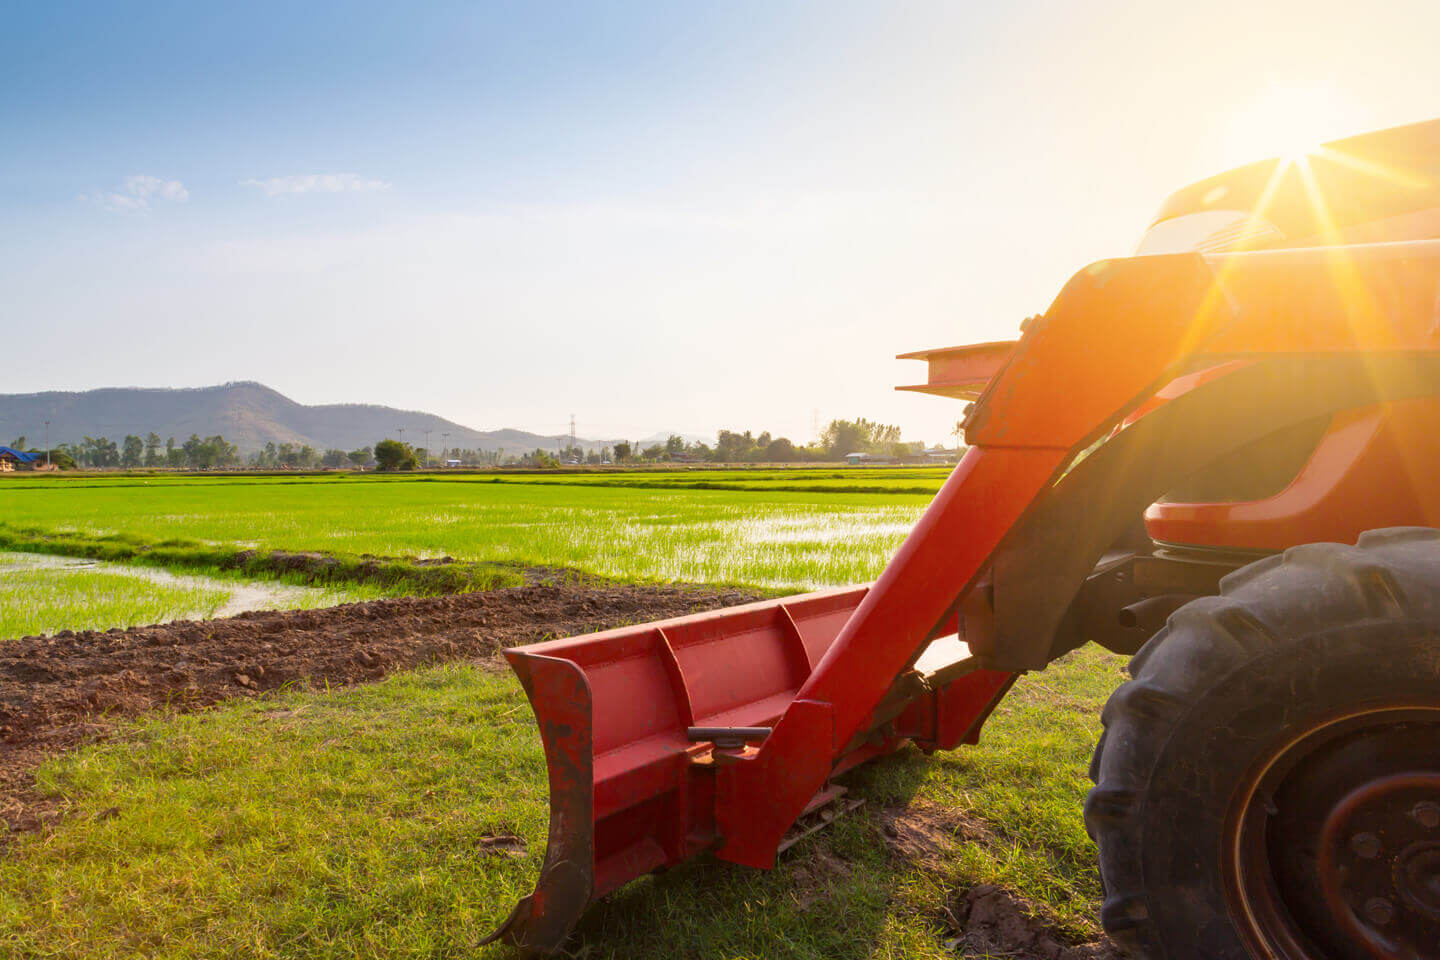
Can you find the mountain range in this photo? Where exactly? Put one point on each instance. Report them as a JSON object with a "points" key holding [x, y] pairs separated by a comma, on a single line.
{"points": [[249, 415]]}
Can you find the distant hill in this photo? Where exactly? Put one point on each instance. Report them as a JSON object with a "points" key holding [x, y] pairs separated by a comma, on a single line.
{"points": [[247, 414]]}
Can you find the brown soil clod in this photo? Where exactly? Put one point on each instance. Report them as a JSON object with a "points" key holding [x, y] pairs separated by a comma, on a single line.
{"points": [[923, 833], [504, 844], [813, 875], [59, 691], [990, 922], [985, 920]]}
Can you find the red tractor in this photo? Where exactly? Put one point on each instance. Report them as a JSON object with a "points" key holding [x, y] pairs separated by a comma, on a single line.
{"points": [[1222, 456]]}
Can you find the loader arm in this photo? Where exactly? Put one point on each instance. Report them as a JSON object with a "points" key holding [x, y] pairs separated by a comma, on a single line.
{"points": [[981, 586]]}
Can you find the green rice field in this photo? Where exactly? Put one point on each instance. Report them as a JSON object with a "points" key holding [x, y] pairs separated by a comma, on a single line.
{"points": [[752, 529]]}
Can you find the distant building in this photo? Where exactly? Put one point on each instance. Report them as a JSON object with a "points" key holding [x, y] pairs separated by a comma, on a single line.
{"points": [[452, 462], [867, 459], [10, 458]]}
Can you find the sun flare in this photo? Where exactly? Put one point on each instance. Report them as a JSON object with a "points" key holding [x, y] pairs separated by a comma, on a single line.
{"points": [[1285, 121]]}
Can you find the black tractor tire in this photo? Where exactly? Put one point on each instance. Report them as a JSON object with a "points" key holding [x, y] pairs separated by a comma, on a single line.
{"points": [[1268, 783]]}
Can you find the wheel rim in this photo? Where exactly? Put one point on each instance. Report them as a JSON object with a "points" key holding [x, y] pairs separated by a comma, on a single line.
{"points": [[1333, 842]]}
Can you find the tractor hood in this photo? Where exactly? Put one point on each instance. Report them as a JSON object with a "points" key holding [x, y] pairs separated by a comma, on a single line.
{"points": [[1376, 187]]}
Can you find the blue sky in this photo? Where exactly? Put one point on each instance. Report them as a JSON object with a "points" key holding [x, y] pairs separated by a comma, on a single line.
{"points": [[680, 216]]}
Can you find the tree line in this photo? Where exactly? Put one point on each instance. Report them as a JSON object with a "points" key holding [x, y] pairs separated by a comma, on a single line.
{"points": [[149, 451], [305, 457], [196, 453], [839, 439]]}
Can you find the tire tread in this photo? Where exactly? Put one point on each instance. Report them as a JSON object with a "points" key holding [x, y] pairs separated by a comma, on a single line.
{"points": [[1390, 573]]}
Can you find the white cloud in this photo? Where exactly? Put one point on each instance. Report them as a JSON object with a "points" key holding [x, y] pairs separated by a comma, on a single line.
{"points": [[144, 187], [317, 183], [120, 202], [137, 191]]}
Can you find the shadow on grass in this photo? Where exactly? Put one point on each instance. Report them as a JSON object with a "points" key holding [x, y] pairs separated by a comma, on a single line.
{"points": [[832, 895], [999, 823]]}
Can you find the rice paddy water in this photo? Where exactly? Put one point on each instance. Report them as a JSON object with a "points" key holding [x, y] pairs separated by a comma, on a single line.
{"points": [[42, 595]]}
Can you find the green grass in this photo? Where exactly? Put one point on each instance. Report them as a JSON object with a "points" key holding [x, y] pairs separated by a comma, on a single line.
{"points": [[188, 840], [43, 600], [603, 525], [348, 824]]}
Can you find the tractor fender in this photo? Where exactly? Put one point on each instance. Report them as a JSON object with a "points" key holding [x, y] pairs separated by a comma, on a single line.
{"points": [[1041, 568]]}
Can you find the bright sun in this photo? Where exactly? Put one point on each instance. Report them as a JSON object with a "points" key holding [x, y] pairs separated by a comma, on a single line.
{"points": [[1285, 121]]}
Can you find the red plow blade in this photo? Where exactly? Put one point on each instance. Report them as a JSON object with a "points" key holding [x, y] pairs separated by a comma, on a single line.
{"points": [[614, 709], [637, 721]]}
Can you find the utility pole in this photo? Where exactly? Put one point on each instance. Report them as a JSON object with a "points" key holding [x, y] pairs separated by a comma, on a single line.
{"points": [[47, 444], [573, 447], [444, 446], [426, 431], [402, 434]]}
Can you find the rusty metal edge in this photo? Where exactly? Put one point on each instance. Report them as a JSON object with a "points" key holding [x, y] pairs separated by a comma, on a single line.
{"points": [[541, 922]]}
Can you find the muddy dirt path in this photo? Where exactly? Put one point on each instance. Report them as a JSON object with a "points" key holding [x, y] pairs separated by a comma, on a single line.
{"points": [[59, 691]]}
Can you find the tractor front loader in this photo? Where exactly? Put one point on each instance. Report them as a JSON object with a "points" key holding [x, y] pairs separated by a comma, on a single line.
{"points": [[1226, 458]]}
